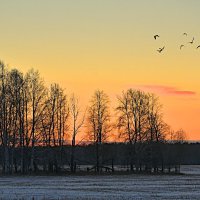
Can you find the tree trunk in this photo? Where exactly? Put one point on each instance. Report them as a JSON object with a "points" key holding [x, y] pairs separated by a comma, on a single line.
{"points": [[72, 167]]}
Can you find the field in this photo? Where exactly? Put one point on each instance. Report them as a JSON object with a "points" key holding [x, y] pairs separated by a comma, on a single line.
{"points": [[104, 187]]}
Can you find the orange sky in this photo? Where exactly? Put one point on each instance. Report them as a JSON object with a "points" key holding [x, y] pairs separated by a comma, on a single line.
{"points": [[109, 45]]}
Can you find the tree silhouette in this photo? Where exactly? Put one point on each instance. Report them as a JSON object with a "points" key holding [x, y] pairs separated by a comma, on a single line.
{"points": [[99, 122]]}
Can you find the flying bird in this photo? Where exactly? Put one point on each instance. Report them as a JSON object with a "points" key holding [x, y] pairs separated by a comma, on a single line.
{"points": [[160, 49], [156, 36], [198, 47], [185, 34], [181, 46], [192, 41]]}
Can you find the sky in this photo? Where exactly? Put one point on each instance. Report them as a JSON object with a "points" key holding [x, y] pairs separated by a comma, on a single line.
{"points": [[109, 45]]}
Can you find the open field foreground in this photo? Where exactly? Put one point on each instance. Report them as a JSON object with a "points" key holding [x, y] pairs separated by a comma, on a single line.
{"points": [[104, 187]]}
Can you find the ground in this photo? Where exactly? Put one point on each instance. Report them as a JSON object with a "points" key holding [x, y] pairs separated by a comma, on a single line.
{"points": [[104, 187]]}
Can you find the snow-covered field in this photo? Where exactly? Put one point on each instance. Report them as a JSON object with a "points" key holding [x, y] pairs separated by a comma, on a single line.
{"points": [[104, 187]]}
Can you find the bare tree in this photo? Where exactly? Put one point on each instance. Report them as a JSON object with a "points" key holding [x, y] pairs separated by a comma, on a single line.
{"points": [[77, 123], [99, 122], [178, 136], [132, 110], [139, 121], [16, 119], [13, 111], [37, 94], [4, 117], [157, 128], [55, 120]]}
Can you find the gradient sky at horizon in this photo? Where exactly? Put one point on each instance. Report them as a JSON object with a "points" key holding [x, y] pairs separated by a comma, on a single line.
{"points": [[109, 45]]}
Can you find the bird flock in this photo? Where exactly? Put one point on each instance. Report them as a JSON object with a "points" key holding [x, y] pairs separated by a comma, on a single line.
{"points": [[160, 50]]}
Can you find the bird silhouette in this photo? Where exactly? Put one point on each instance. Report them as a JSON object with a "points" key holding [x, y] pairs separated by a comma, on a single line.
{"points": [[185, 34], [192, 41], [198, 47], [156, 36], [181, 46], [160, 49]]}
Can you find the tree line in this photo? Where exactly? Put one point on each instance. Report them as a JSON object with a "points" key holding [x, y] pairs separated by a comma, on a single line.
{"points": [[33, 115]]}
